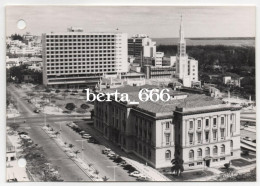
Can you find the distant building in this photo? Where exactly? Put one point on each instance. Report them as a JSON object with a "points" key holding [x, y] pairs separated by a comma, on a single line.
{"points": [[10, 64], [141, 45], [186, 67], [153, 72], [201, 130], [76, 59], [159, 59], [228, 80]]}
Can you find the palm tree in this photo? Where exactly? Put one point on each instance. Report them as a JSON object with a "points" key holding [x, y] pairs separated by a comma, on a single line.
{"points": [[71, 146], [105, 178], [57, 133], [177, 166], [90, 165], [96, 172], [77, 152]]}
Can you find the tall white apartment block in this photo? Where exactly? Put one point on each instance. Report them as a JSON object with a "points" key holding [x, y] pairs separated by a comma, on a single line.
{"points": [[76, 59]]}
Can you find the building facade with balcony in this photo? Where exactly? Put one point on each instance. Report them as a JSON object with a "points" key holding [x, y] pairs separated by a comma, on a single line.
{"points": [[75, 59], [202, 136]]}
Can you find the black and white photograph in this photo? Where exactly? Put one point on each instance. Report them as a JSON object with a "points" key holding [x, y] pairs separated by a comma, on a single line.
{"points": [[130, 93]]}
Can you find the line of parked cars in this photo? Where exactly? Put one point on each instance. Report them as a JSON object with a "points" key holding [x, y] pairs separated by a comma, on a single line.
{"points": [[249, 139], [24, 135], [83, 133], [121, 162]]}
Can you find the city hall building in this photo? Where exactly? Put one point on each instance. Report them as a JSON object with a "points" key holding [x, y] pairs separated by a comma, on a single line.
{"points": [[75, 59], [201, 130]]}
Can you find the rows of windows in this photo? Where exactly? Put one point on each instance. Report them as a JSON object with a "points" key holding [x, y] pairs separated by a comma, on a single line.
{"points": [[111, 45], [143, 150], [78, 53], [79, 40], [207, 136], [57, 63], [79, 36], [81, 71], [207, 152], [199, 122], [200, 163]]}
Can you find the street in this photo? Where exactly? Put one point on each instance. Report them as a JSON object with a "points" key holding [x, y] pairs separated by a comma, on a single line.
{"points": [[32, 122]]}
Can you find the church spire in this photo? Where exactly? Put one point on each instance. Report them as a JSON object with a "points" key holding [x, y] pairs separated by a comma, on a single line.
{"points": [[182, 43], [182, 40]]}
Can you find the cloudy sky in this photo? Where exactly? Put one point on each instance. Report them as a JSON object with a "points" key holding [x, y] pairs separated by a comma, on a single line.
{"points": [[157, 21]]}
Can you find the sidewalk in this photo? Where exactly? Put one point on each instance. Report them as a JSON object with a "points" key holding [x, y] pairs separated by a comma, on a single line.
{"points": [[130, 158], [147, 170]]}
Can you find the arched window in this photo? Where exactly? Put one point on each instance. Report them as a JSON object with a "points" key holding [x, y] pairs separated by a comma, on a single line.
{"points": [[191, 154], [199, 151], [215, 150], [168, 154], [222, 149], [207, 151]]}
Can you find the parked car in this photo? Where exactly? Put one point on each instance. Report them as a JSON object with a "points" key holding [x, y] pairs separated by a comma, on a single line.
{"points": [[106, 151], [254, 141], [247, 138], [37, 111], [123, 163], [143, 178], [135, 174], [130, 168], [23, 136], [25, 133], [111, 153], [93, 140], [86, 136]]}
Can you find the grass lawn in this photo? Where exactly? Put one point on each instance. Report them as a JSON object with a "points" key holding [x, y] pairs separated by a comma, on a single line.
{"points": [[186, 176], [240, 162], [223, 169], [78, 102]]}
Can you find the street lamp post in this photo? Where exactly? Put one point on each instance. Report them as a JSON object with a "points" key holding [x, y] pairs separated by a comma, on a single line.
{"points": [[82, 148], [114, 171]]}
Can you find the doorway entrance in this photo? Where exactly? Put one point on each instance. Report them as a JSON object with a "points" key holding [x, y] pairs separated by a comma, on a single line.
{"points": [[208, 163]]}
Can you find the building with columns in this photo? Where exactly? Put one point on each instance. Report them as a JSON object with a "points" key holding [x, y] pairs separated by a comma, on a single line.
{"points": [[203, 130], [208, 133], [186, 67]]}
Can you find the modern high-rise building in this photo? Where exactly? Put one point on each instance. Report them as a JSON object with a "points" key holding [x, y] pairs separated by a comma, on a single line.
{"points": [[141, 45], [76, 59], [200, 130], [186, 67]]}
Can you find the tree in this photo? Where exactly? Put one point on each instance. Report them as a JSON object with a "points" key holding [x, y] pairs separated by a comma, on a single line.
{"points": [[76, 153], [71, 146], [177, 166], [227, 165], [57, 91], [96, 172], [80, 110], [57, 133], [84, 106], [105, 178], [70, 106]]}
